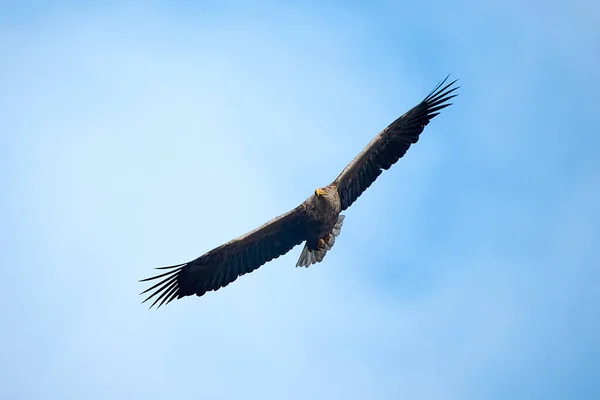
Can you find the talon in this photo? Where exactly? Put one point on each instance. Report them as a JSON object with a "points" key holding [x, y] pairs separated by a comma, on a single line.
{"points": [[322, 243]]}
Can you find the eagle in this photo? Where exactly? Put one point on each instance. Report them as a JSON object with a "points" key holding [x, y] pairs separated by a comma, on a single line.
{"points": [[316, 222]]}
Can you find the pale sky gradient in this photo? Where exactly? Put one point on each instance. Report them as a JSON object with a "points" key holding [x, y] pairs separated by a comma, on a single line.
{"points": [[145, 135]]}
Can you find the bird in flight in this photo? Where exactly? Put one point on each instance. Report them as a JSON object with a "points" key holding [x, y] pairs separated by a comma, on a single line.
{"points": [[317, 221]]}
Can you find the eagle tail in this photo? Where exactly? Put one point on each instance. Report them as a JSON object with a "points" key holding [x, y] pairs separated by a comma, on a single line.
{"points": [[309, 257]]}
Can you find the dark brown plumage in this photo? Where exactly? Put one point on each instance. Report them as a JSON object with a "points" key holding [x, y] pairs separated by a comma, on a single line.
{"points": [[317, 221], [390, 145]]}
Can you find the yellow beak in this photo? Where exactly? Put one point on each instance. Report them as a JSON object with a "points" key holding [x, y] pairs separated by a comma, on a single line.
{"points": [[320, 192]]}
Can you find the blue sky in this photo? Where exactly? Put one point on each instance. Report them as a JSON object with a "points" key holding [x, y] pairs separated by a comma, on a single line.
{"points": [[144, 135]]}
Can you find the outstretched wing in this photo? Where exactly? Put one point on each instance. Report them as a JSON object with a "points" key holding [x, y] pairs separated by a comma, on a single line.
{"points": [[390, 144], [222, 265]]}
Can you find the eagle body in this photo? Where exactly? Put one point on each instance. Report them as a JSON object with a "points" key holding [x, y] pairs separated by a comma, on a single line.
{"points": [[316, 222], [323, 224], [322, 212]]}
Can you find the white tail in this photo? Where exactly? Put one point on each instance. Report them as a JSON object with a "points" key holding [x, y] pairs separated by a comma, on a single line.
{"points": [[309, 257]]}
